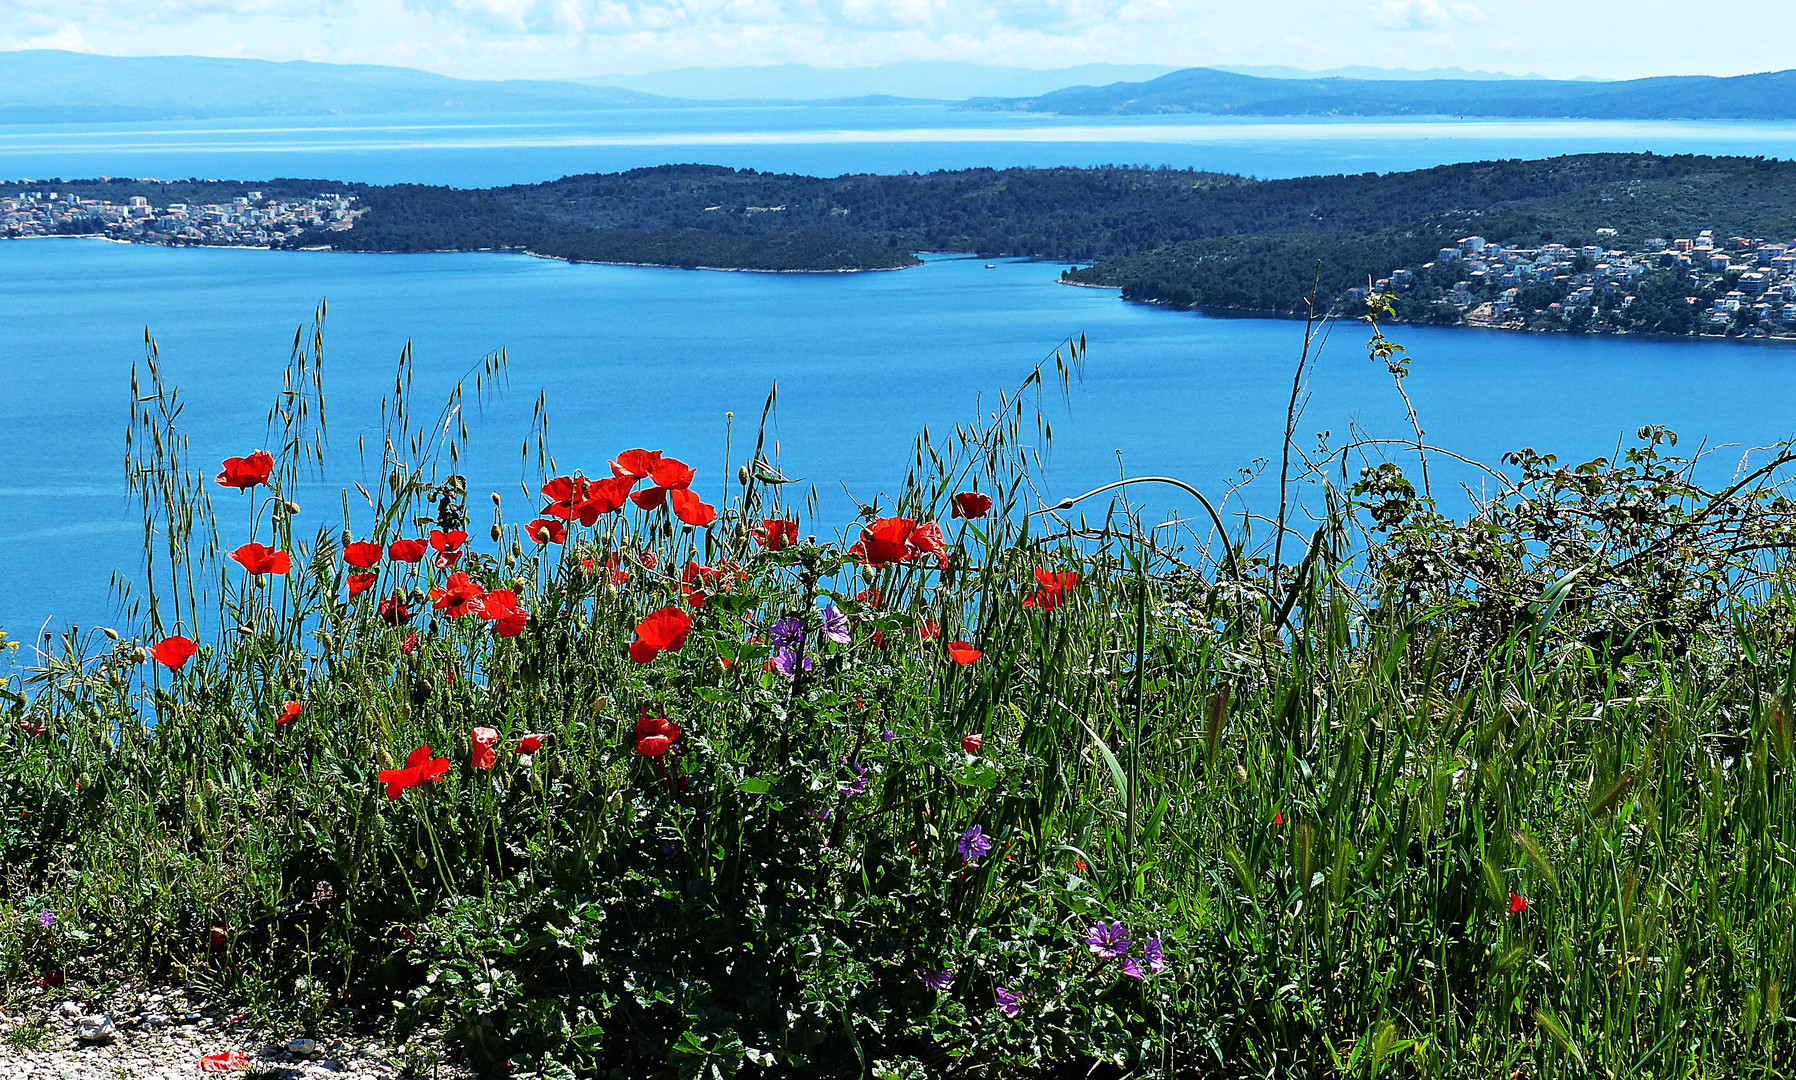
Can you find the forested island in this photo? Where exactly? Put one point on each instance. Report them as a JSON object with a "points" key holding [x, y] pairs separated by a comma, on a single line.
{"points": [[1637, 243]]}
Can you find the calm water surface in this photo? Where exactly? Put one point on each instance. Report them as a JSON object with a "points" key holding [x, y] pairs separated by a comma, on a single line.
{"points": [[631, 356], [823, 140]]}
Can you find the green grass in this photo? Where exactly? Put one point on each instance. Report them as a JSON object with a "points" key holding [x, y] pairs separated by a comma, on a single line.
{"points": [[1324, 781], [26, 1038]]}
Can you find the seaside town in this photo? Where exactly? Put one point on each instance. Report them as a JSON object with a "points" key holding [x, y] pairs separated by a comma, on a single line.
{"points": [[247, 220], [1735, 286]]}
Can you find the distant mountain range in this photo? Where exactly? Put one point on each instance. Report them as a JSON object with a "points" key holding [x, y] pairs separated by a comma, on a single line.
{"points": [[1770, 96], [912, 79], [49, 86]]}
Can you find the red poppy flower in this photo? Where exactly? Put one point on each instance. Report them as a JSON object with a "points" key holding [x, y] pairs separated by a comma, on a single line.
{"points": [[1517, 903], [662, 631], [899, 540], [482, 740], [419, 767], [869, 597], [698, 580], [448, 546], [500, 607], [406, 550], [290, 712], [244, 473], [409, 645], [618, 576], [51, 980], [972, 743], [776, 534], [361, 554], [1278, 817], [648, 560], [361, 583], [603, 497], [393, 610], [261, 559], [1053, 590], [929, 631], [565, 490], [886, 541], [654, 734], [971, 504], [216, 938], [547, 531], [530, 744], [880, 641], [1080, 865], [635, 464], [670, 476], [928, 538], [962, 653], [691, 509], [460, 595], [172, 652]]}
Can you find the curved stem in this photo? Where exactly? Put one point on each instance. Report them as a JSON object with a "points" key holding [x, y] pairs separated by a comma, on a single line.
{"points": [[1228, 551]]}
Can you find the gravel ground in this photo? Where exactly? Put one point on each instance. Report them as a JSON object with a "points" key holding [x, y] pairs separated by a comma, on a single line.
{"points": [[164, 1034]]}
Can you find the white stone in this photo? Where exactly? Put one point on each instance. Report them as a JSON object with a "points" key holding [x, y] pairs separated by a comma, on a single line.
{"points": [[96, 1029], [302, 1047]]}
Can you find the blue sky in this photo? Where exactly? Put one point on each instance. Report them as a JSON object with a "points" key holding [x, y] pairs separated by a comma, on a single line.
{"points": [[559, 38]]}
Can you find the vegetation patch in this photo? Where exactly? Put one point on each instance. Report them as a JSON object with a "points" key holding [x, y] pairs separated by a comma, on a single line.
{"points": [[653, 776]]}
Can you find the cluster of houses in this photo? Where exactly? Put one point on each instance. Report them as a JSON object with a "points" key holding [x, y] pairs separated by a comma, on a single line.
{"points": [[1741, 284], [247, 220]]}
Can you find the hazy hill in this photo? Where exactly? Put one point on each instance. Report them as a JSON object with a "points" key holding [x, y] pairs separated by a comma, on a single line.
{"points": [[912, 79], [47, 86], [1769, 96]]}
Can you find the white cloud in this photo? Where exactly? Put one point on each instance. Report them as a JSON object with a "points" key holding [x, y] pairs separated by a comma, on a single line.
{"points": [[933, 18], [1424, 14]]}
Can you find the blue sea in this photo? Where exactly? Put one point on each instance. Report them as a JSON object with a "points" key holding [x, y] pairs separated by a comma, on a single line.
{"points": [[659, 358], [823, 140]]}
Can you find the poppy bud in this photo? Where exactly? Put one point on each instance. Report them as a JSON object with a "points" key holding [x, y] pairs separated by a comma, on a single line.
{"points": [[517, 549], [109, 632], [495, 498], [292, 508], [742, 474], [495, 533], [1240, 774], [139, 655]]}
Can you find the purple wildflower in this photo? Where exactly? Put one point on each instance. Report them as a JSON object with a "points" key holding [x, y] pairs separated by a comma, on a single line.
{"points": [[1153, 953], [1008, 1003], [835, 624], [938, 980], [974, 845], [888, 735], [858, 785], [786, 634], [1108, 942], [1131, 968], [786, 662], [46, 919]]}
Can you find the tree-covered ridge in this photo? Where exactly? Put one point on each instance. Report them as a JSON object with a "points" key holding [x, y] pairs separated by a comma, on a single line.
{"points": [[1085, 214]]}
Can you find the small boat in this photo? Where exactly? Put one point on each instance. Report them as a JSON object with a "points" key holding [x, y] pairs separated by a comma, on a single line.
{"points": [[991, 266]]}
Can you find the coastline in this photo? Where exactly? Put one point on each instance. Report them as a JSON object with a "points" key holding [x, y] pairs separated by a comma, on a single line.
{"points": [[1249, 313], [1784, 339]]}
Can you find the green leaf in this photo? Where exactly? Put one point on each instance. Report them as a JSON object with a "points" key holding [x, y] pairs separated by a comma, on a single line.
{"points": [[1116, 770]]}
